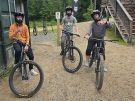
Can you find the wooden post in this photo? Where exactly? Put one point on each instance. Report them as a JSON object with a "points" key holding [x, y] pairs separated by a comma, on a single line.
{"points": [[57, 14], [95, 3], [91, 3], [115, 30], [58, 31]]}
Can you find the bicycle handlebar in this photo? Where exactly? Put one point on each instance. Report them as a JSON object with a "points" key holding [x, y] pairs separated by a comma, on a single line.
{"points": [[69, 33], [103, 39]]}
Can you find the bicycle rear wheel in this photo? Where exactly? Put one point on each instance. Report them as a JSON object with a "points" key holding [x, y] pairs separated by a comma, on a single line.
{"points": [[99, 72], [45, 31], [72, 59], [35, 32], [28, 85]]}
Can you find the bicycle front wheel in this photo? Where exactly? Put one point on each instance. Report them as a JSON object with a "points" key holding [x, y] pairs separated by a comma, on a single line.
{"points": [[99, 72], [92, 59], [22, 82], [72, 60]]}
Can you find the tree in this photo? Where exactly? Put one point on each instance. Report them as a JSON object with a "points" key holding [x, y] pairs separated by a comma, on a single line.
{"points": [[47, 8], [87, 15]]}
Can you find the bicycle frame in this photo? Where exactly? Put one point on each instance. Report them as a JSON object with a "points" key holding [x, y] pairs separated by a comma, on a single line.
{"points": [[97, 50], [24, 70], [69, 42]]}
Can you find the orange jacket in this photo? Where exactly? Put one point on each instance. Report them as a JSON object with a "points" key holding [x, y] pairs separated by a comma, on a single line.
{"points": [[23, 35]]}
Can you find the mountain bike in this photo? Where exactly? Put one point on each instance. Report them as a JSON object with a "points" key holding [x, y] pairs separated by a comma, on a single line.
{"points": [[72, 57], [21, 81], [45, 30], [35, 30], [98, 56]]}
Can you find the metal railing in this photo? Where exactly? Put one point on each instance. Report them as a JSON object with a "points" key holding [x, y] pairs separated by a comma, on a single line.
{"points": [[123, 15]]}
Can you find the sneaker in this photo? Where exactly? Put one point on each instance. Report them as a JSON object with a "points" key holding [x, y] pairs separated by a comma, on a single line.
{"points": [[105, 69], [87, 64], [33, 72], [61, 53], [17, 70]]}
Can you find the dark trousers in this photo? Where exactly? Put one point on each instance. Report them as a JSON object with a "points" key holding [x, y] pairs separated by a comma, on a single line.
{"points": [[63, 39], [18, 49], [91, 44]]}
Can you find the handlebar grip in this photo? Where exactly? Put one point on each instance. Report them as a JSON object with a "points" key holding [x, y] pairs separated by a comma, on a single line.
{"points": [[78, 35]]}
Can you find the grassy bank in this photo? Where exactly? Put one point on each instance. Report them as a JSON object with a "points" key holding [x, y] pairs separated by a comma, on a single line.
{"points": [[111, 35], [39, 23], [5, 72]]}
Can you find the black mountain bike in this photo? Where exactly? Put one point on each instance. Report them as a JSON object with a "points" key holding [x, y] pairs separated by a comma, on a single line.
{"points": [[72, 57], [45, 30], [35, 31], [21, 81], [98, 56]]}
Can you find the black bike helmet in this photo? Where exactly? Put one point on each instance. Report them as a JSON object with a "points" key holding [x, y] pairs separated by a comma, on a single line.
{"points": [[18, 14], [69, 8], [95, 12]]}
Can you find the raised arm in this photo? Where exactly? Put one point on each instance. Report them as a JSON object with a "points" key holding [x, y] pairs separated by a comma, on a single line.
{"points": [[89, 31]]}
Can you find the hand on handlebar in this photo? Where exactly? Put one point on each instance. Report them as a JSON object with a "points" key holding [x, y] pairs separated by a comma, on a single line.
{"points": [[26, 48]]}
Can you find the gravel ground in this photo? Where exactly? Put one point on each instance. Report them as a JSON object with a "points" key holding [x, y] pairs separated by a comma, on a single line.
{"points": [[119, 81]]}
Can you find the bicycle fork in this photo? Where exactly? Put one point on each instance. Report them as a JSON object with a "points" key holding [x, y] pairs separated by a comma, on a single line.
{"points": [[71, 52], [99, 60], [24, 70]]}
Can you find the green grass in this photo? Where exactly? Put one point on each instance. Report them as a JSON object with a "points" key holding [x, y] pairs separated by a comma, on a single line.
{"points": [[111, 35], [49, 28], [5, 72], [39, 24]]}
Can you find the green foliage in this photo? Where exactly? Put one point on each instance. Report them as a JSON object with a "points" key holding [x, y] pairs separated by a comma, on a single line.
{"points": [[47, 8], [5, 72], [87, 15], [111, 35]]}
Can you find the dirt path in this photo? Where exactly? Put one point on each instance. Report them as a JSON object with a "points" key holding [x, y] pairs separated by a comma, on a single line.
{"points": [[119, 81]]}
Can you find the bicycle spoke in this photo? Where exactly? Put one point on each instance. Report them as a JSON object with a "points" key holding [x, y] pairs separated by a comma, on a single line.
{"points": [[27, 85], [72, 59], [99, 72]]}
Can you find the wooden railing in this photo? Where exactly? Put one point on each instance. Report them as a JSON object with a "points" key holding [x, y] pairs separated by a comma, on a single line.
{"points": [[127, 0], [124, 16]]}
